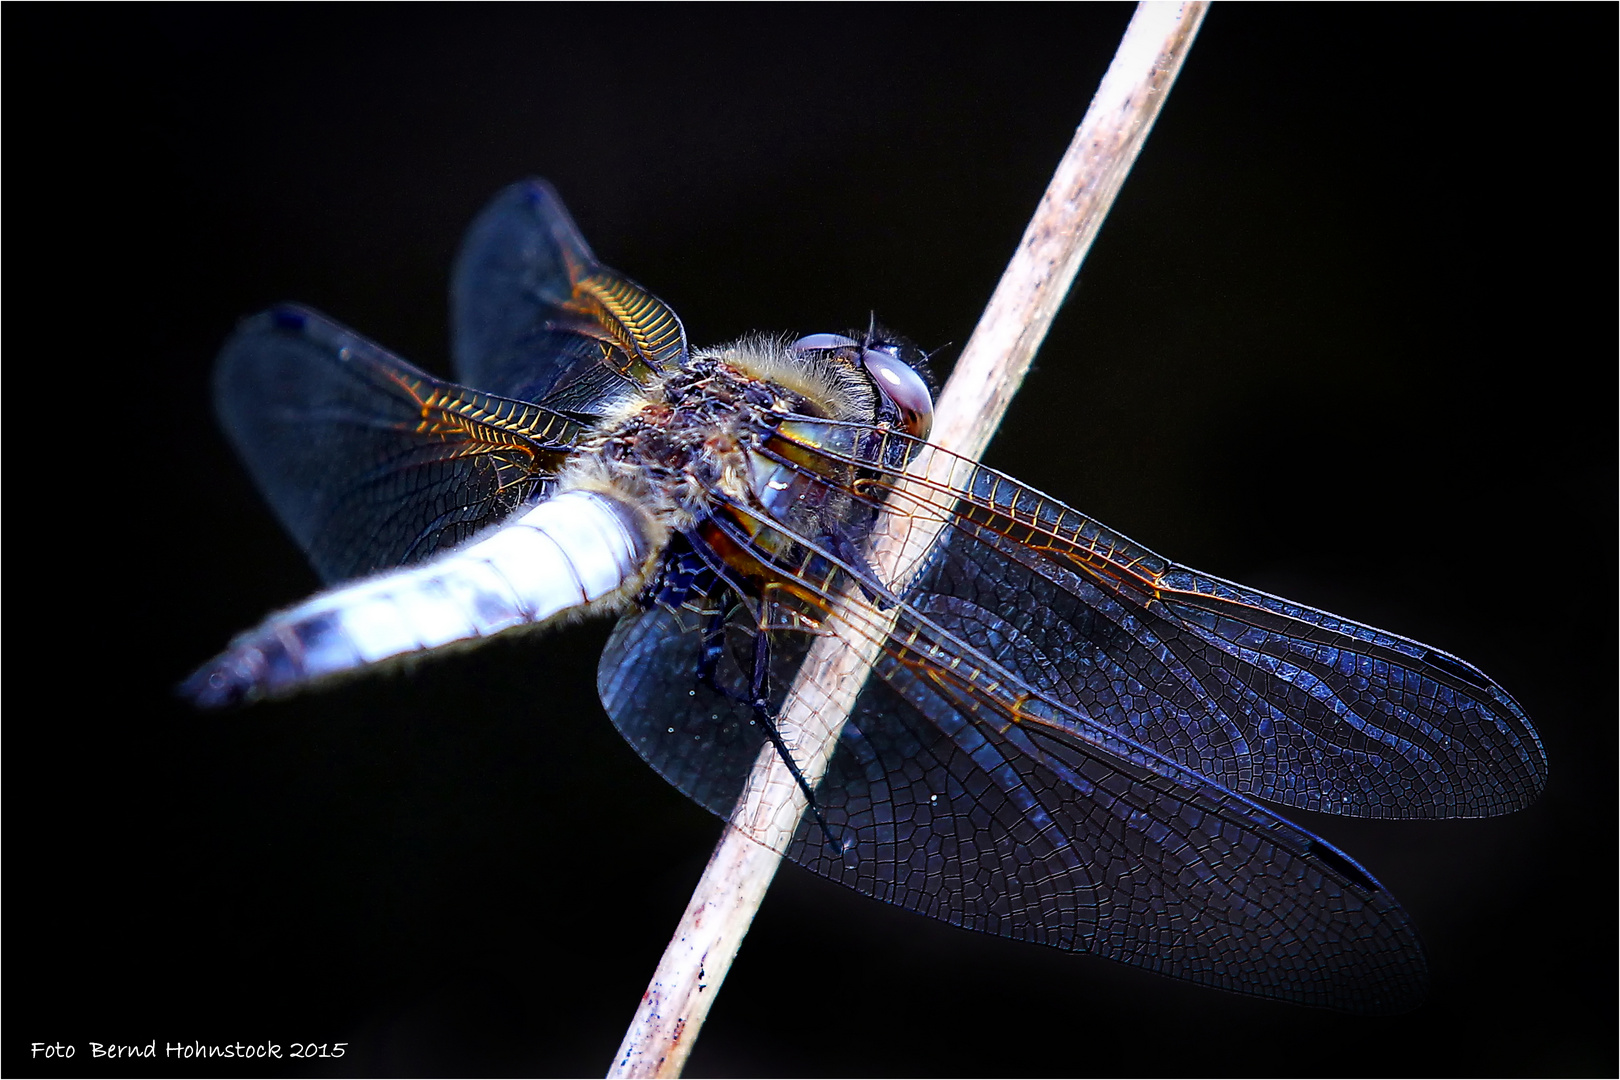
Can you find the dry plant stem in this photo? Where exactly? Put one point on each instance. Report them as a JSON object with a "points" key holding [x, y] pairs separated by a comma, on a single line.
{"points": [[982, 385]]}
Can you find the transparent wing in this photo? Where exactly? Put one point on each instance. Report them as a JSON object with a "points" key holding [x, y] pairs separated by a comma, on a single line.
{"points": [[1066, 729], [534, 316], [1261, 695], [958, 793], [1003, 817], [368, 462]]}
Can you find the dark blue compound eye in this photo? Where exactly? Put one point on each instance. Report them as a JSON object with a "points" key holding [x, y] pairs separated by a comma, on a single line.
{"points": [[813, 342], [903, 387]]}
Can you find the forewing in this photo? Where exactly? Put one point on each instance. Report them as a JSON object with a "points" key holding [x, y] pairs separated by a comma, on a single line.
{"points": [[1260, 695], [534, 316], [959, 792], [368, 462]]}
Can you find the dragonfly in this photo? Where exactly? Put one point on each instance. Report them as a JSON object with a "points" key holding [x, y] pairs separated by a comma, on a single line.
{"points": [[1070, 739]]}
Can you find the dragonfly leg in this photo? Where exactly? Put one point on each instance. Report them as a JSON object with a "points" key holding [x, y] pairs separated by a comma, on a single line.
{"points": [[760, 691], [714, 647], [758, 698], [866, 577]]}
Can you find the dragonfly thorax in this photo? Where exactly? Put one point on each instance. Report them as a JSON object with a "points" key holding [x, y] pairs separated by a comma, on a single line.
{"points": [[697, 444], [686, 438]]}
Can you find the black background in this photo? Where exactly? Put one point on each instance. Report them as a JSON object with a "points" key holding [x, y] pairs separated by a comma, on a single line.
{"points": [[1348, 336]]}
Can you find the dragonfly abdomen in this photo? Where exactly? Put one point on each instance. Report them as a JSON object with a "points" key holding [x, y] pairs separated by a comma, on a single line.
{"points": [[578, 551]]}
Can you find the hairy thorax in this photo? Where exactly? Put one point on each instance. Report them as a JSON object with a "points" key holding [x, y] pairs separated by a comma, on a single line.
{"points": [[697, 434]]}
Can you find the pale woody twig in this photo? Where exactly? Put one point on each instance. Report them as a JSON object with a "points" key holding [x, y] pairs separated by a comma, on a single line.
{"points": [[982, 385]]}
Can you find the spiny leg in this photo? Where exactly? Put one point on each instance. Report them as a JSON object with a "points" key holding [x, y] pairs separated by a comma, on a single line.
{"points": [[760, 691], [759, 698]]}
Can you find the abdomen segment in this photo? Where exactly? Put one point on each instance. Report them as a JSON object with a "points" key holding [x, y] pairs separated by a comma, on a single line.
{"points": [[569, 552]]}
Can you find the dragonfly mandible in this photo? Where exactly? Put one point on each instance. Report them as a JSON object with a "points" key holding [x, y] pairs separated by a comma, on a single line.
{"points": [[1071, 737]]}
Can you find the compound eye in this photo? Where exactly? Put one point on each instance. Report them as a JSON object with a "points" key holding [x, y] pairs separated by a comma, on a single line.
{"points": [[905, 390], [814, 342]]}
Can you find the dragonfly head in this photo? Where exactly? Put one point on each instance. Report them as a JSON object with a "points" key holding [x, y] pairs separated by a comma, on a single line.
{"points": [[895, 368]]}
